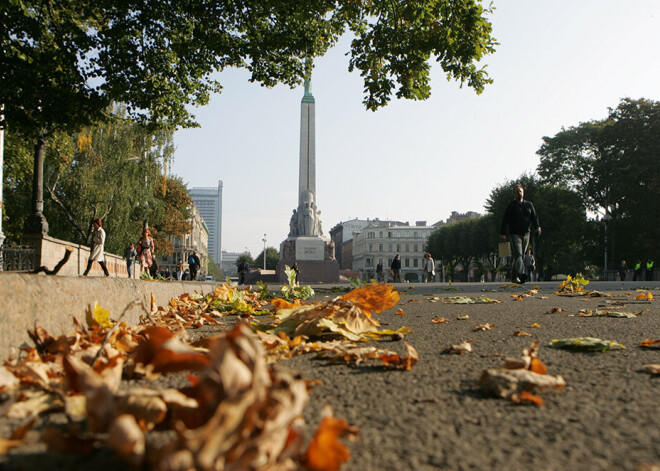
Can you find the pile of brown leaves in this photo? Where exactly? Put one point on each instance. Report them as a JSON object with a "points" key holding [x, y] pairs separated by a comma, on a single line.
{"points": [[238, 411]]}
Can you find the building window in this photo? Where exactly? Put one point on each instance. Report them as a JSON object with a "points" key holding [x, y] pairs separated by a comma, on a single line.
{"points": [[389, 262], [371, 247], [380, 247], [398, 247], [407, 262], [415, 249], [407, 247], [389, 235], [415, 262], [380, 234], [389, 247]]}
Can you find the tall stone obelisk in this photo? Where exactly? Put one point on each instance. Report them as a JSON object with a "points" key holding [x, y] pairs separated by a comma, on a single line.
{"points": [[307, 174], [306, 245]]}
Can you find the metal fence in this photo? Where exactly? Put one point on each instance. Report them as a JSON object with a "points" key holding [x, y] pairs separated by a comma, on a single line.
{"points": [[17, 258]]}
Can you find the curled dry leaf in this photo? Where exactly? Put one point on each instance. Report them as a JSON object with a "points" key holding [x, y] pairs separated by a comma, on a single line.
{"points": [[166, 353], [642, 296], [440, 320], [520, 333], [459, 349], [535, 325], [400, 312], [463, 317], [648, 343], [507, 383], [482, 327], [556, 309], [652, 368]]}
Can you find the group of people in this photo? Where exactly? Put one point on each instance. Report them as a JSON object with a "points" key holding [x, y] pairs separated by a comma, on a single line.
{"points": [[639, 268], [144, 252]]}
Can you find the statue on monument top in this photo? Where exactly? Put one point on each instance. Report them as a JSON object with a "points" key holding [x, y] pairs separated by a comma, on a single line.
{"points": [[306, 221]]}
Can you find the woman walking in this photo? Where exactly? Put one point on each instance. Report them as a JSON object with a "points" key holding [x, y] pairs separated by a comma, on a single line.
{"points": [[96, 240], [146, 250]]}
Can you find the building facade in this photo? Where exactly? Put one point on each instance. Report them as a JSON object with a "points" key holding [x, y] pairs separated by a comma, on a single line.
{"points": [[196, 240], [209, 204], [382, 241], [342, 236], [229, 260]]}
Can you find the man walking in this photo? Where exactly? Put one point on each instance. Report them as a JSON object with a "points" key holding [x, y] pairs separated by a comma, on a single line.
{"points": [[193, 265], [519, 217], [396, 269], [428, 267], [130, 255]]}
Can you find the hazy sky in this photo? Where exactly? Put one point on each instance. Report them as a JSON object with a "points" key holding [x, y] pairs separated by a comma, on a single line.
{"points": [[559, 63]]}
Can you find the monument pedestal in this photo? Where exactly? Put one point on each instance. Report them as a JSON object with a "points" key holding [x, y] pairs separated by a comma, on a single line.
{"points": [[315, 257]]}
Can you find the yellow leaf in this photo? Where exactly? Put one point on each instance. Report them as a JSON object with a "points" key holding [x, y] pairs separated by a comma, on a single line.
{"points": [[400, 312], [98, 316]]}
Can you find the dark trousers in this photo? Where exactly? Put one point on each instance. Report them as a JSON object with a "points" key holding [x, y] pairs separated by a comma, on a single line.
{"points": [[89, 267], [193, 272]]}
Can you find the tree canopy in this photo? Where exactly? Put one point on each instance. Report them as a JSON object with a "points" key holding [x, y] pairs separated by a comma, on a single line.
{"points": [[63, 63], [614, 166], [272, 257]]}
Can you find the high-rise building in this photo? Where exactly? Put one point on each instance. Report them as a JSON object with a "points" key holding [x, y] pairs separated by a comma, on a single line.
{"points": [[209, 204]]}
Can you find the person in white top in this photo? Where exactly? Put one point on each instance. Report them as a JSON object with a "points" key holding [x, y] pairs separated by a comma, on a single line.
{"points": [[96, 241], [428, 267]]}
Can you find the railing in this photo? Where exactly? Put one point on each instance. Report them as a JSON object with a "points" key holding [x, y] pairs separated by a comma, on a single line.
{"points": [[18, 258]]}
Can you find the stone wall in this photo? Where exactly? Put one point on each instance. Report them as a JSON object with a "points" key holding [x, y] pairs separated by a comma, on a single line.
{"points": [[52, 301], [49, 251]]}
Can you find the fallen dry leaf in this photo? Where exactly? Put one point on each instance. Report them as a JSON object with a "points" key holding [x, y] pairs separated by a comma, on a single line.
{"points": [[648, 343], [459, 349], [126, 438], [440, 320], [520, 333], [535, 325], [325, 451], [373, 298], [400, 312], [463, 317], [556, 309], [486, 326], [652, 368]]}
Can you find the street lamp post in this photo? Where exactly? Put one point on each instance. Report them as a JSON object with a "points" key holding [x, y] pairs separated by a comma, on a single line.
{"points": [[264, 239], [606, 218]]}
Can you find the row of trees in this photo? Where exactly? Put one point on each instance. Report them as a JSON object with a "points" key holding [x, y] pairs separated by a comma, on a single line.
{"points": [[113, 171], [609, 168], [272, 258]]}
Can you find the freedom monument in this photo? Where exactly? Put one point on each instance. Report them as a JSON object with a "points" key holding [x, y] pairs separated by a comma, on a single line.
{"points": [[305, 244]]}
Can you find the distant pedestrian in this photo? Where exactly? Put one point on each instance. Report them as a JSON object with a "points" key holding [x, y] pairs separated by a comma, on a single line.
{"points": [[379, 271], [649, 269], [242, 271], [296, 270], [130, 254], [519, 217], [396, 269], [193, 264], [530, 266], [623, 268], [154, 269], [96, 241], [146, 250], [637, 275], [428, 268], [179, 270]]}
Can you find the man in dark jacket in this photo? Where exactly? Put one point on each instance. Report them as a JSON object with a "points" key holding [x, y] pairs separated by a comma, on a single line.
{"points": [[519, 217], [396, 269], [193, 264]]}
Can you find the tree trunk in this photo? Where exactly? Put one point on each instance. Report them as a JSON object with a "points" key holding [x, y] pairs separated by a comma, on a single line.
{"points": [[36, 223]]}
